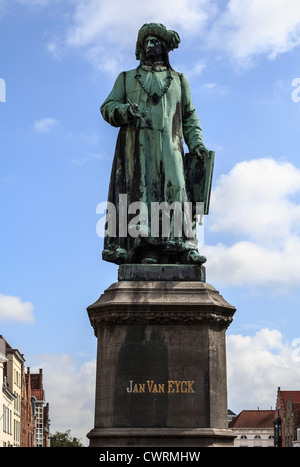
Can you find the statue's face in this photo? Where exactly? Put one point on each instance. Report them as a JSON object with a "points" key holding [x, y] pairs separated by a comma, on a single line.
{"points": [[153, 48]]}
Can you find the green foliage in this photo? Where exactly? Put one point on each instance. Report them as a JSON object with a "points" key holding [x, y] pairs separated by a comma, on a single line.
{"points": [[65, 440]]}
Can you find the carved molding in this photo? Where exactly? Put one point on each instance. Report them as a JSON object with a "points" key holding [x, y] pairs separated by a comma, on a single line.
{"points": [[164, 317], [126, 303]]}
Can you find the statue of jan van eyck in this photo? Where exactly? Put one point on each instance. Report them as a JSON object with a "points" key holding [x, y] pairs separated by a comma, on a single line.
{"points": [[152, 106]]}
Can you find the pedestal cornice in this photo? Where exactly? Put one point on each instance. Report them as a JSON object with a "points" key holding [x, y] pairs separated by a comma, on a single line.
{"points": [[144, 302]]}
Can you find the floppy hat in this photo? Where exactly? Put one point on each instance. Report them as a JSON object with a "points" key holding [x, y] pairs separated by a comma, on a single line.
{"points": [[170, 38]]}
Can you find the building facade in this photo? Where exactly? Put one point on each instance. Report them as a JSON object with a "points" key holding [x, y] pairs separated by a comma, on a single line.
{"points": [[254, 428], [296, 443], [6, 404], [24, 413], [12, 369], [288, 415], [28, 412], [41, 409]]}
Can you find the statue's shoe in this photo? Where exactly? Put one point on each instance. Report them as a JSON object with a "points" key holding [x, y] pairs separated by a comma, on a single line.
{"points": [[117, 256], [194, 257], [149, 261]]}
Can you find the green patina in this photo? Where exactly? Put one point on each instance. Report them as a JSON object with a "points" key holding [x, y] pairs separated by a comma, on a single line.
{"points": [[152, 105]]}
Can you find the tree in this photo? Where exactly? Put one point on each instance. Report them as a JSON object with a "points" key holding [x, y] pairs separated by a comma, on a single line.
{"points": [[65, 440]]}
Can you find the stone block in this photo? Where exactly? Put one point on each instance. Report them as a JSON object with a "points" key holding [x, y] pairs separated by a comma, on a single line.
{"points": [[161, 364]]}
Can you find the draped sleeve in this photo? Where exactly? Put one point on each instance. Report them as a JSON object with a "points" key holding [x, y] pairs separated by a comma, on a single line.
{"points": [[192, 130], [115, 108]]}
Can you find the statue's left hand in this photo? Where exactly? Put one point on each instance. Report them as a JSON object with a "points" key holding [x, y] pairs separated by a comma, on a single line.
{"points": [[201, 151]]}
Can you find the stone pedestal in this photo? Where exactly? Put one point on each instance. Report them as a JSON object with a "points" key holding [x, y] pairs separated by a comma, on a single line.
{"points": [[161, 360]]}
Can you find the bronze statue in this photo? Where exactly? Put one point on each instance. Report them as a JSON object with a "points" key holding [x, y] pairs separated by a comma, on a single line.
{"points": [[152, 106]]}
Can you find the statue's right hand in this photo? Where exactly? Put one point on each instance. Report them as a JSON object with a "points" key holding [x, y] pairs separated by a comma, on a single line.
{"points": [[134, 110]]}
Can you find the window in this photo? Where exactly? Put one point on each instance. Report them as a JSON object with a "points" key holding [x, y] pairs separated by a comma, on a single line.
{"points": [[39, 421], [271, 441], [7, 420], [257, 441], [244, 441]]}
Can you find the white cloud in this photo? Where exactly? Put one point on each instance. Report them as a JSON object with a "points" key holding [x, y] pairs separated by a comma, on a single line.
{"points": [[55, 49], [105, 29], [253, 265], [45, 124], [13, 309], [215, 89], [255, 199], [240, 28], [195, 69], [257, 365], [118, 23], [256, 205], [69, 391], [250, 27], [87, 158], [104, 60]]}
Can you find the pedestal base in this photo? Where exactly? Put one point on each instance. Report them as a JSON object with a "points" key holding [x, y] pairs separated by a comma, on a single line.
{"points": [[161, 437], [161, 362]]}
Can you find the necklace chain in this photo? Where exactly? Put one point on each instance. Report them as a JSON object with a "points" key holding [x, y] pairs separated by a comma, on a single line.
{"points": [[155, 97]]}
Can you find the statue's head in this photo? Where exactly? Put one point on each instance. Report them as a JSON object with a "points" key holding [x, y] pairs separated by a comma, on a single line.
{"points": [[154, 42], [154, 48]]}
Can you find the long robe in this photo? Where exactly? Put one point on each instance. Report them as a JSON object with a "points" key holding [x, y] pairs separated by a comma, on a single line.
{"points": [[148, 164]]}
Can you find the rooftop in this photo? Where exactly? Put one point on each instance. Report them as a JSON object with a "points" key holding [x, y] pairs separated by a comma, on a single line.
{"points": [[253, 419], [293, 395]]}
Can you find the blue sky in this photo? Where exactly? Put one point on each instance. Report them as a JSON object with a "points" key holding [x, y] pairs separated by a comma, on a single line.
{"points": [[59, 60]]}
